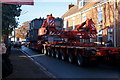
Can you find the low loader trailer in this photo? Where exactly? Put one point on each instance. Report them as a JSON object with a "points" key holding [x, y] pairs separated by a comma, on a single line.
{"points": [[74, 45]]}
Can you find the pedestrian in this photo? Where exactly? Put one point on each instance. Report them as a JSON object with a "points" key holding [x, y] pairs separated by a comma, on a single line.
{"points": [[7, 67], [9, 47], [3, 48]]}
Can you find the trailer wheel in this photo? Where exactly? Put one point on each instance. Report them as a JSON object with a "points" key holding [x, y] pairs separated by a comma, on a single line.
{"points": [[63, 57], [70, 58], [52, 53], [80, 60], [45, 51], [57, 54], [42, 50], [49, 53]]}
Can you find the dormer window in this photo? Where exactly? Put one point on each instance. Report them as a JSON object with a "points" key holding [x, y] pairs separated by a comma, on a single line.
{"points": [[81, 3]]}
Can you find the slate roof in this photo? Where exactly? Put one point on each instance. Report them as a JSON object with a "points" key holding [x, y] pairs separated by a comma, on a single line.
{"points": [[76, 8]]}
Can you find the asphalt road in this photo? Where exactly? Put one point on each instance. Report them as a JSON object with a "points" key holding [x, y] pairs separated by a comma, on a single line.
{"points": [[64, 69]]}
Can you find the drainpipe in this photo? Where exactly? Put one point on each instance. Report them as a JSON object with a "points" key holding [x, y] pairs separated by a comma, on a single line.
{"points": [[115, 33], [1, 27]]}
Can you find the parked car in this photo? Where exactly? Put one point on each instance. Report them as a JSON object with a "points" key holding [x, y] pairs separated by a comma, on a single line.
{"points": [[17, 44], [23, 42]]}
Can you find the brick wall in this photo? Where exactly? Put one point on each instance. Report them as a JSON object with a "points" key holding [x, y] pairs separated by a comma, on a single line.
{"points": [[107, 19]]}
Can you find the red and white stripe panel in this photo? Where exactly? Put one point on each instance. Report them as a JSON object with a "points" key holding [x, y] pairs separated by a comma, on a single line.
{"points": [[51, 23]]}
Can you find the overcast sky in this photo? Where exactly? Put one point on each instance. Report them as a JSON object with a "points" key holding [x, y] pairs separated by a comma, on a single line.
{"points": [[42, 7]]}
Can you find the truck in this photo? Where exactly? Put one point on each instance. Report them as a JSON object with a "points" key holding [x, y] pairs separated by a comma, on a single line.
{"points": [[75, 46], [32, 34]]}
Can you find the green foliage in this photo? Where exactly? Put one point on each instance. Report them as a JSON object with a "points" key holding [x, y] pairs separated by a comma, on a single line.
{"points": [[9, 14]]}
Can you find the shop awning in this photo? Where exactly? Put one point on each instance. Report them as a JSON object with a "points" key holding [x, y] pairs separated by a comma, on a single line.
{"points": [[22, 2]]}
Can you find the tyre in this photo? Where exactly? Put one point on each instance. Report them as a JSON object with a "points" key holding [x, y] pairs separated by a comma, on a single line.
{"points": [[45, 51], [49, 53], [80, 60], [63, 57], [42, 50], [70, 58], [52, 53], [57, 55]]}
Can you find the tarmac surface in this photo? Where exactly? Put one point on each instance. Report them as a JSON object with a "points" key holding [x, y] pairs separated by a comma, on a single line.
{"points": [[24, 68]]}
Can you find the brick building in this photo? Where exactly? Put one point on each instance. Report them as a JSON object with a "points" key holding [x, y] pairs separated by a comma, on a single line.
{"points": [[102, 13], [21, 32]]}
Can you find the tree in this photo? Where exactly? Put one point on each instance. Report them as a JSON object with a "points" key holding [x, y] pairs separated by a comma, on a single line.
{"points": [[10, 12]]}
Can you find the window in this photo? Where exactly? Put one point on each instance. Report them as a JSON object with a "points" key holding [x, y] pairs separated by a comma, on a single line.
{"points": [[106, 0], [100, 16], [110, 34], [73, 23], [110, 30], [81, 4], [100, 32], [83, 17], [65, 25], [99, 37]]}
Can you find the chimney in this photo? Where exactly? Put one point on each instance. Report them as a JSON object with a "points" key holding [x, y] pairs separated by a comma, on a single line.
{"points": [[70, 5]]}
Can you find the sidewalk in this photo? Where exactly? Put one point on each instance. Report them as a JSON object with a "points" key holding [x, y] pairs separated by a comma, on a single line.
{"points": [[23, 67]]}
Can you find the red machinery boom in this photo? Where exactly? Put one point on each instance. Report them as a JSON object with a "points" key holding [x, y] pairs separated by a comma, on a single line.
{"points": [[72, 42], [86, 30]]}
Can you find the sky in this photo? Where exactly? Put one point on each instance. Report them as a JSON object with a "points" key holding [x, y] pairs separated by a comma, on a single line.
{"points": [[41, 8]]}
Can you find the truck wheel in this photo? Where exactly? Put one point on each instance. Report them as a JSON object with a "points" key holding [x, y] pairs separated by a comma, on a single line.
{"points": [[80, 60], [70, 58]]}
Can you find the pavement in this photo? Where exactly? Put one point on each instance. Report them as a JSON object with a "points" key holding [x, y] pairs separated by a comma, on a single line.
{"points": [[24, 67]]}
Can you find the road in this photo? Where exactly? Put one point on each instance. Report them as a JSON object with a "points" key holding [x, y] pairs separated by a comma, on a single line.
{"points": [[64, 69]]}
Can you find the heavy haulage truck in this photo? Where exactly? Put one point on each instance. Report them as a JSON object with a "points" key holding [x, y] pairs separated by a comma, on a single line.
{"points": [[74, 45], [32, 34]]}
